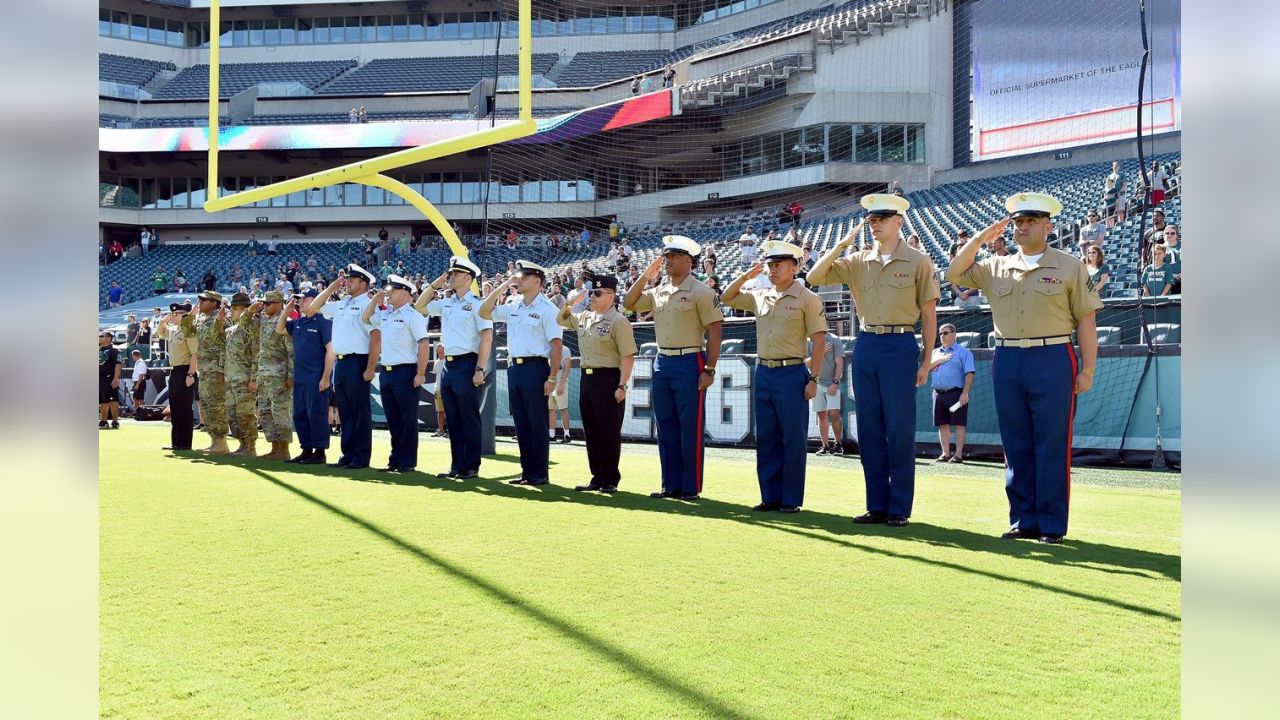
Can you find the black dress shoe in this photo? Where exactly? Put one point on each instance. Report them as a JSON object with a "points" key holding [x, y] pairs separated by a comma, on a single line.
{"points": [[662, 494], [1051, 539], [897, 521], [305, 455], [317, 458], [765, 507], [447, 475], [390, 468], [690, 496], [871, 518], [468, 474], [176, 449], [581, 488], [1020, 534], [365, 466], [539, 481], [789, 509], [609, 489], [339, 464], [517, 481]]}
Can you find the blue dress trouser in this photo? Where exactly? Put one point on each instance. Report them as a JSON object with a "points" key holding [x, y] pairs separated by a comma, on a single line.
{"points": [[884, 386], [400, 403], [461, 399], [310, 413], [355, 409], [782, 428], [1035, 404], [679, 410], [525, 383]]}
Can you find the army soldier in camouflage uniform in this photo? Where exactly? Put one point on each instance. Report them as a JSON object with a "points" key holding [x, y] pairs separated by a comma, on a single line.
{"points": [[211, 322], [241, 368], [274, 383]]}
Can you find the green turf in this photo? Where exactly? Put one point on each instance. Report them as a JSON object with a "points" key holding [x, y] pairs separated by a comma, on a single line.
{"points": [[254, 590]]}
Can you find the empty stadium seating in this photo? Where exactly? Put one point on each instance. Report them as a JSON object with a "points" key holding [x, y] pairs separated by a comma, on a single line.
{"points": [[193, 82], [588, 69], [425, 74], [129, 70]]}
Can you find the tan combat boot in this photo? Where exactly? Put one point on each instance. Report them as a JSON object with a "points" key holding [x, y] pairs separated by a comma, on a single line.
{"points": [[219, 446], [279, 451], [246, 447]]}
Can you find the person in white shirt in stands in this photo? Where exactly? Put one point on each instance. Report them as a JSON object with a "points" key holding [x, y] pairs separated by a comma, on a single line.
{"points": [[748, 242], [145, 241], [271, 246], [138, 380]]}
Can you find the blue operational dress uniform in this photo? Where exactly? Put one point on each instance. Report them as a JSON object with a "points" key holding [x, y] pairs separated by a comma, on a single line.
{"points": [[889, 291], [311, 341], [351, 359], [402, 330], [785, 320], [1036, 303], [530, 329], [681, 314], [461, 329]]}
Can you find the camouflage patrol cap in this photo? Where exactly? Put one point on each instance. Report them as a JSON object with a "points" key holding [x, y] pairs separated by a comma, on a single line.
{"points": [[273, 296], [240, 300]]}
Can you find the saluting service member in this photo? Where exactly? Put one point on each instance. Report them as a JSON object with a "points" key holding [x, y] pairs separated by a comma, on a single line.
{"points": [[787, 314], [405, 351], [241, 367], [355, 349], [534, 343], [179, 333], [467, 340], [312, 374], [893, 287], [211, 322], [1038, 298], [274, 383], [608, 348], [683, 309]]}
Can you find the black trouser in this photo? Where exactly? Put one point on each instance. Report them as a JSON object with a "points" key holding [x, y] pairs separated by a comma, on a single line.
{"points": [[180, 413], [461, 400], [602, 423]]}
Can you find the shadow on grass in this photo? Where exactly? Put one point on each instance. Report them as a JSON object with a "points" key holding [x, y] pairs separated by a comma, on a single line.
{"points": [[825, 527], [632, 664]]}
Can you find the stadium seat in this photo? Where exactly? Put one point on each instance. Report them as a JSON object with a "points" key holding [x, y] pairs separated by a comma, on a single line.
{"points": [[1109, 335], [1162, 333], [970, 340], [649, 348], [732, 347]]}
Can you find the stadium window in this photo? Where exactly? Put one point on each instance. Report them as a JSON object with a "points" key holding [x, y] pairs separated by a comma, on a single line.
{"points": [[104, 22], [840, 139], [451, 27], [119, 24], [400, 28], [771, 153], [138, 28], [296, 199], [163, 194], [891, 144], [332, 195], [792, 149], [279, 200], [375, 196], [257, 32], [815, 150], [543, 27], [431, 189], [417, 27], [466, 25], [262, 182], [752, 156], [866, 140], [173, 33], [352, 34], [148, 194], [197, 192], [915, 144], [434, 26], [354, 194], [731, 161], [565, 24], [383, 29], [128, 196], [586, 190], [753, 4], [369, 29], [635, 20], [271, 33], [288, 32], [239, 33], [616, 23], [321, 30], [306, 34], [452, 188]]}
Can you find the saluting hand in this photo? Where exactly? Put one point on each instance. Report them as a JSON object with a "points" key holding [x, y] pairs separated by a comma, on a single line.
{"points": [[444, 276], [853, 234], [755, 270], [651, 272]]}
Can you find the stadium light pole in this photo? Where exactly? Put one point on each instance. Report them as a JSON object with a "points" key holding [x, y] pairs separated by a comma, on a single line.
{"points": [[369, 172]]}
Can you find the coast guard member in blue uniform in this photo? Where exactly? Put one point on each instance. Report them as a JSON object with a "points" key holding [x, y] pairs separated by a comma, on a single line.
{"points": [[535, 346], [402, 366], [312, 372], [893, 287], [787, 313], [682, 309], [467, 339], [1038, 297], [356, 349]]}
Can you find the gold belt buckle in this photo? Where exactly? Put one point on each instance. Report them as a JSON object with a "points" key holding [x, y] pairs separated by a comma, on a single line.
{"points": [[519, 361], [587, 370], [341, 356], [1024, 343], [879, 329], [387, 368], [448, 358]]}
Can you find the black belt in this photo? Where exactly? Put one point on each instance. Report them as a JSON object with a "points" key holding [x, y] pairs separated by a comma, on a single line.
{"points": [[353, 355], [590, 370], [463, 356], [389, 368], [781, 363], [529, 358], [942, 390]]}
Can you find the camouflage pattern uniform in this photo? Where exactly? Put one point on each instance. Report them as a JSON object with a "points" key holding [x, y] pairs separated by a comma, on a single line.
{"points": [[211, 336], [275, 366], [242, 368]]}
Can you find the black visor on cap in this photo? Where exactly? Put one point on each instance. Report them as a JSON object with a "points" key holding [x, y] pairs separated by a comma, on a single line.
{"points": [[1031, 213], [882, 213]]}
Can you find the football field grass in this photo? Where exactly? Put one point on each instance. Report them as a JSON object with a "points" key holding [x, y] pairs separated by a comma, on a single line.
{"points": [[253, 589]]}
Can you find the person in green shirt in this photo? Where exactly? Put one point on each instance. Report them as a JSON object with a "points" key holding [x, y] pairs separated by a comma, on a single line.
{"points": [[1095, 263], [159, 281], [1157, 278]]}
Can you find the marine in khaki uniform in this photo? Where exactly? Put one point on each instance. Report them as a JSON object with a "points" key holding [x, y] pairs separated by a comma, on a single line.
{"points": [[274, 380], [211, 323], [241, 369], [180, 338], [608, 348], [683, 310], [788, 314], [1038, 298], [893, 287]]}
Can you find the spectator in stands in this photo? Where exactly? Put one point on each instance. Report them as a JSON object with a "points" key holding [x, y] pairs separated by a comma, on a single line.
{"points": [[709, 251], [625, 253], [179, 280], [511, 238], [251, 248], [353, 116], [806, 256], [313, 264], [156, 316], [586, 238], [1117, 178], [156, 240], [115, 251], [668, 76], [708, 269], [553, 241], [713, 282], [913, 241], [999, 246], [102, 253], [143, 337], [613, 229], [115, 295], [792, 236], [1159, 183], [131, 329], [951, 374], [638, 189], [1155, 233], [964, 297], [385, 271], [144, 241], [795, 209], [635, 85], [272, 243], [403, 243], [1173, 257], [361, 115], [1157, 278], [1095, 263], [1092, 233], [896, 188], [237, 275], [138, 379], [747, 241], [1110, 202], [210, 280]]}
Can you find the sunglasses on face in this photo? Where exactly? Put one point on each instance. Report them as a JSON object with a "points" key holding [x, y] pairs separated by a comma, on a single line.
{"points": [[948, 332], [598, 293]]}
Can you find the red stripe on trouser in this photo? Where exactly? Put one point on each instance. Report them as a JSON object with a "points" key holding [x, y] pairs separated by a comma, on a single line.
{"points": [[1071, 418], [702, 412]]}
